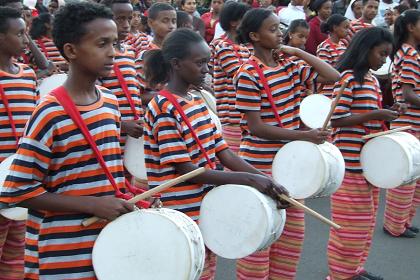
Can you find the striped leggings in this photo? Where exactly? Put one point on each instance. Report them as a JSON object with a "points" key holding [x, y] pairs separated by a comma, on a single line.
{"points": [[400, 209], [353, 207], [281, 259], [12, 246]]}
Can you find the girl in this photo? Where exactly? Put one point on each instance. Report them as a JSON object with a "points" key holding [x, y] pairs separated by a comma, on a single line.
{"points": [[401, 202], [211, 18], [190, 6], [337, 26], [354, 10], [266, 126], [297, 34], [358, 113], [389, 19], [323, 9], [170, 148]]}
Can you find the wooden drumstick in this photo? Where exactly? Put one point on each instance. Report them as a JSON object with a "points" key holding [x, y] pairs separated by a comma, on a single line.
{"points": [[333, 105], [149, 193], [309, 210], [386, 132]]}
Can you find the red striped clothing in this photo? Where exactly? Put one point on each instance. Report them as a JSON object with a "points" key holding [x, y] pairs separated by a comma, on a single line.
{"points": [[355, 26], [329, 52], [286, 83], [47, 46], [139, 41], [140, 64], [20, 91], [228, 57], [53, 156], [356, 99], [407, 71], [126, 63], [168, 141]]}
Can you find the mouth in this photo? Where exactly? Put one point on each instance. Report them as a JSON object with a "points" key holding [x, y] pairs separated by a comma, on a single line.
{"points": [[108, 67]]}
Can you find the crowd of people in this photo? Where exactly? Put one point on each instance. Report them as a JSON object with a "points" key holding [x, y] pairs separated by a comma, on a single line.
{"points": [[131, 69]]}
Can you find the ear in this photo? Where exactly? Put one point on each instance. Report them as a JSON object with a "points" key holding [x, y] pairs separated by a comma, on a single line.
{"points": [[175, 64], [70, 51], [411, 27], [149, 22], [254, 36]]}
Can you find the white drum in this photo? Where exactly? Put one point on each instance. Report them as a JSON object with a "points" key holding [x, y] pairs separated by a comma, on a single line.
{"points": [[158, 244], [14, 213], [208, 98], [314, 110], [391, 160], [308, 170], [237, 221], [51, 83], [134, 159]]}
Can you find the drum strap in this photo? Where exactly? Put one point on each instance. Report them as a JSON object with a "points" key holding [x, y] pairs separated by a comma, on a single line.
{"points": [[178, 107], [9, 113], [266, 89], [70, 108], [124, 88]]}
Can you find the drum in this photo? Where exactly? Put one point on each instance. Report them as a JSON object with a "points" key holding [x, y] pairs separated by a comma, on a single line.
{"points": [[134, 157], [158, 244], [51, 83], [314, 110], [308, 170], [210, 101], [237, 221], [383, 75], [15, 213], [391, 160]]}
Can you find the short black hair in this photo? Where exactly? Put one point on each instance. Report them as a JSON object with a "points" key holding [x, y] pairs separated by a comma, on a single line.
{"points": [[70, 21], [364, 2], [232, 11], [4, 3], [156, 8], [7, 13], [182, 18], [294, 25], [109, 3], [252, 22], [38, 28], [334, 20]]}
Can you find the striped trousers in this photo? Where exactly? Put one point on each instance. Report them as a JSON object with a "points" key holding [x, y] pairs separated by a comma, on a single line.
{"points": [[400, 209], [12, 247], [232, 135], [280, 260], [353, 207]]}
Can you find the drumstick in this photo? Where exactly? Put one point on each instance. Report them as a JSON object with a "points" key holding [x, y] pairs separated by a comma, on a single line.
{"points": [[333, 105], [308, 210], [386, 132], [149, 193]]}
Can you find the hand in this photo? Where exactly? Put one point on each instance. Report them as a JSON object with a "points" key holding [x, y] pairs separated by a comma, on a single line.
{"points": [[133, 128], [268, 187], [385, 115], [317, 136], [110, 207], [289, 50], [156, 202], [401, 108]]}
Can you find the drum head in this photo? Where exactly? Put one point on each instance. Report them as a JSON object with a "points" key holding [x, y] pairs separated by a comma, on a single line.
{"points": [[51, 83], [208, 98], [235, 220], [147, 245], [314, 110], [134, 157], [300, 168], [15, 213]]}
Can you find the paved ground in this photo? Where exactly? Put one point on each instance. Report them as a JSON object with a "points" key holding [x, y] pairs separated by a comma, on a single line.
{"points": [[393, 258]]}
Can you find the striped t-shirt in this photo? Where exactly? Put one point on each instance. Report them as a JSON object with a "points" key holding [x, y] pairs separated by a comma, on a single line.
{"points": [[138, 41], [126, 62], [407, 71], [329, 52], [355, 26], [286, 82], [228, 57], [20, 91], [53, 156], [47, 46], [168, 141], [140, 64], [356, 99]]}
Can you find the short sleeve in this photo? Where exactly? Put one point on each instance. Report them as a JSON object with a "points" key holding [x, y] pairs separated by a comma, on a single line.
{"points": [[248, 93], [344, 103], [410, 70], [228, 59]]}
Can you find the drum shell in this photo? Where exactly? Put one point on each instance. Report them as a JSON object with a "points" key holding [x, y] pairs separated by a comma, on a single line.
{"points": [[50, 83]]}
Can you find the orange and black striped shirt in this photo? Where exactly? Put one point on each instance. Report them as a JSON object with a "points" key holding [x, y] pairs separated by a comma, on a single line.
{"points": [[47, 46]]}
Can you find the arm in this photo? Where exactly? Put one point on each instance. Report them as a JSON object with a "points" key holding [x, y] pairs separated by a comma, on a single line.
{"points": [[410, 96], [40, 59]]}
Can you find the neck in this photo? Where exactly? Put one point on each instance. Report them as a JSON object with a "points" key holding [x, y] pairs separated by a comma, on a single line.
{"points": [[134, 29], [6, 63], [322, 19], [334, 38], [265, 55], [178, 86], [157, 41], [214, 15], [232, 35], [365, 20], [412, 42], [81, 86]]}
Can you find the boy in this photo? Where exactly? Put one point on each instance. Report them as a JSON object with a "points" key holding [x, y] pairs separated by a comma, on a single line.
{"points": [[18, 98], [55, 174], [370, 10]]}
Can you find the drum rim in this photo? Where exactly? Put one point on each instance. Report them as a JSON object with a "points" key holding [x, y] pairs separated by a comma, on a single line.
{"points": [[126, 156]]}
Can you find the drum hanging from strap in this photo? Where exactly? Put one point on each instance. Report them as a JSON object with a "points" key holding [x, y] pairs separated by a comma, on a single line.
{"points": [[158, 244], [308, 170], [134, 159], [314, 110], [50, 83], [14, 213], [237, 221], [210, 101], [391, 160]]}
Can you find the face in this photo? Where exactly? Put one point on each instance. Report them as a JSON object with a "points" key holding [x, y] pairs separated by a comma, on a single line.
{"points": [[135, 22], [14, 42], [216, 6], [377, 55], [95, 52], [190, 6], [342, 30], [370, 10], [389, 17], [414, 30], [269, 35], [357, 9], [123, 14], [266, 3], [52, 7], [298, 2], [27, 17], [395, 14], [298, 38], [325, 10], [189, 23], [193, 69], [164, 23]]}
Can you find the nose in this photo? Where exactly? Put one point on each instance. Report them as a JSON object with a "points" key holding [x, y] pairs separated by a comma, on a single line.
{"points": [[205, 68]]}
